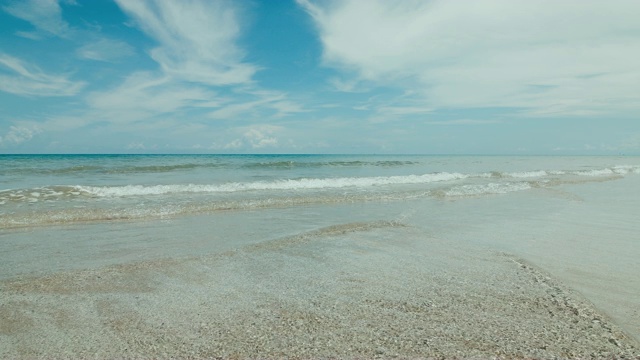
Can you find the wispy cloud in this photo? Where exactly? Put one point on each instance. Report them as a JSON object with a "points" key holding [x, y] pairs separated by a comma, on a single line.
{"points": [[201, 75], [44, 15], [144, 95], [404, 110], [272, 102], [197, 39], [21, 78], [199, 60], [572, 56], [105, 50], [350, 85]]}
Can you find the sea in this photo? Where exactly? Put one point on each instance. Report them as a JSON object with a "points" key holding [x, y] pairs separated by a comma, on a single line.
{"points": [[575, 216], [56, 190]]}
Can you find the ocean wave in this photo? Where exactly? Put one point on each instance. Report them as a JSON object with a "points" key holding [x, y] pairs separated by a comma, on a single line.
{"points": [[319, 164], [528, 174], [61, 192], [288, 184], [92, 169], [487, 189], [58, 171], [606, 171], [74, 204], [32, 195], [159, 168]]}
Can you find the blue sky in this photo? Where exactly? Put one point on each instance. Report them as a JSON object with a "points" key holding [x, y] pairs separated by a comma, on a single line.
{"points": [[311, 76]]}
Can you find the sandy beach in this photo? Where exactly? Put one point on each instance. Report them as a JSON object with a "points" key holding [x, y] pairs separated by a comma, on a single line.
{"points": [[337, 291]]}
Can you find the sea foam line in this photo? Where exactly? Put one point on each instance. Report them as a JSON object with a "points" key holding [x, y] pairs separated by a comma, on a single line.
{"points": [[487, 189], [57, 192], [289, 184]]}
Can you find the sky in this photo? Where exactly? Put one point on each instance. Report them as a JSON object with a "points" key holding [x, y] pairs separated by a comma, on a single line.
{"points": [[312, 76]]}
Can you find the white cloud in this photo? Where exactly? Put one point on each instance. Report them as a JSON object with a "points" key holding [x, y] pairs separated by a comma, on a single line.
{"points": [[33, 35], [196, 39], [45, 15], [261, 136], [268, 101], [139, 146], [21, 78], [347, 85], [105, 50], [197, 49], [144, 95], [235, 144], [19, 134], [252, 137], [574, 57]]}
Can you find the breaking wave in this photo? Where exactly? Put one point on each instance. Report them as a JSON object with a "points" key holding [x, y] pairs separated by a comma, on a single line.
{"points": [[288, 184], [64, 204]]}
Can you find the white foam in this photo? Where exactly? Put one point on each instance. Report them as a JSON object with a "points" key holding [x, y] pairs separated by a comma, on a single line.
{"points": [[626, 169], [528, 174], [66, 192], [595, 172], [486, 189], [297, 184]]}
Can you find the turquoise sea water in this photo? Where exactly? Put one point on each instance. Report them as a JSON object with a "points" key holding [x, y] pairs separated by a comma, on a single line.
{"points": [[42, 190]]}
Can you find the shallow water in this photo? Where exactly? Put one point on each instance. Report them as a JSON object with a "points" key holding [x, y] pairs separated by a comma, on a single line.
{"points": [[68, 189]]}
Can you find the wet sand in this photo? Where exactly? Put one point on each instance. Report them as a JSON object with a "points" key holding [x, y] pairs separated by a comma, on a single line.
{"points": [[359, 290]]}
